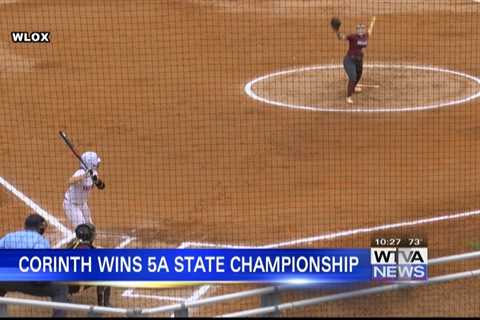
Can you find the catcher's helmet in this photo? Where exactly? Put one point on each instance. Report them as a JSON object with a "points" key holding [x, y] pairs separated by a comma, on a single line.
{"points": [[85, 232]]}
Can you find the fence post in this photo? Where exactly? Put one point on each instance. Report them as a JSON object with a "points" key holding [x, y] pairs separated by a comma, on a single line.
{"points": [[134, 313], [181, 313], [91, 313], [271, 300]]}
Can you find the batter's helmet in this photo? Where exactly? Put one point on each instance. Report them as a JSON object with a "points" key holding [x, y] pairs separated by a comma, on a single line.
{"points": [[85, 232], [91, 159]]}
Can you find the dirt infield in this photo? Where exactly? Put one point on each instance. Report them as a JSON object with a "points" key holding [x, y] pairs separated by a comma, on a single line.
{"points": [[157, 89]]}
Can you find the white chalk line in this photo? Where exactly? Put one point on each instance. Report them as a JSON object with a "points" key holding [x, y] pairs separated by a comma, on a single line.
{"points": [[68, 234], [35, 207], [251, 93], [204, 289], [329, 236], [51, 219], [130, 294], [197, 294], [126, 242], [341, 234], [4, 2]]}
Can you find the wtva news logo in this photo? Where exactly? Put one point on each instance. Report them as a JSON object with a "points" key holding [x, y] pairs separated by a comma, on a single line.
{"points": [[399, 264]]}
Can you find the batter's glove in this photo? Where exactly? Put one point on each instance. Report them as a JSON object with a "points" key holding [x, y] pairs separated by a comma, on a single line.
{"points": [[89, 173], [99, 184], [335, 23]]}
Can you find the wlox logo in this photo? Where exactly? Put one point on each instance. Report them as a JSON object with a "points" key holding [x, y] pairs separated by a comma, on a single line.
{"points": [[400, 264], [33, 37]]}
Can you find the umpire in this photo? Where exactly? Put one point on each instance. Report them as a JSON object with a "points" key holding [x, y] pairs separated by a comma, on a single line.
{"points": [[32, 238]]}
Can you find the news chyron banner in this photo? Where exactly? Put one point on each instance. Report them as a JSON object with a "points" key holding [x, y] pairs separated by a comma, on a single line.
{"points": [[384, 262]]}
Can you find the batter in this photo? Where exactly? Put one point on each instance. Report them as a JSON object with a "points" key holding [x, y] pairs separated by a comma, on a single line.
{"points": [[79, 186]]}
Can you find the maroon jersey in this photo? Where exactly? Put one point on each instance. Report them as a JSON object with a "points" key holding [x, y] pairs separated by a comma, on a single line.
{"points": [[357, 43]]}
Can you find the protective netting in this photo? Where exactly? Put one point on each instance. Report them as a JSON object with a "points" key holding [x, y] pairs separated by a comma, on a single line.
{"points": [[225, 123]]}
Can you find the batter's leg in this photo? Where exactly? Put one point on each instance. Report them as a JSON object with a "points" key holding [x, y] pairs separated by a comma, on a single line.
{"points": [[74, 213], [87, 217]]}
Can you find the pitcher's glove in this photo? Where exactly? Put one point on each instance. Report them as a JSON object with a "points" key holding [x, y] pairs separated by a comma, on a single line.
{"points": [[335, 23]]}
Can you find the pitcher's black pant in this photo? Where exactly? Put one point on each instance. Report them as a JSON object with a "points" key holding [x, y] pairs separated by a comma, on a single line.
{"points": [[354, 68]]}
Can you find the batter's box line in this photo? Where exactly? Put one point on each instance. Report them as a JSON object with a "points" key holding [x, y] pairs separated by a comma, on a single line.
{"points": [[67, 234], [130, 293], [52, 220], [112, 236]]}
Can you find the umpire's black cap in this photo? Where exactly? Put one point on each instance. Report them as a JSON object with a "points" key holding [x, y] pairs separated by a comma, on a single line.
{"points": [[35, 222]]}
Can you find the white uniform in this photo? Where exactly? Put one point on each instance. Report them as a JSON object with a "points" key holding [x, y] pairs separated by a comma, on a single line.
{"points": [[75, 201]]}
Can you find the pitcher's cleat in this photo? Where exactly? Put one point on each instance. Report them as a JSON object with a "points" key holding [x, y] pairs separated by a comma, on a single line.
{"points": [[349, 100], [358, 89]]}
